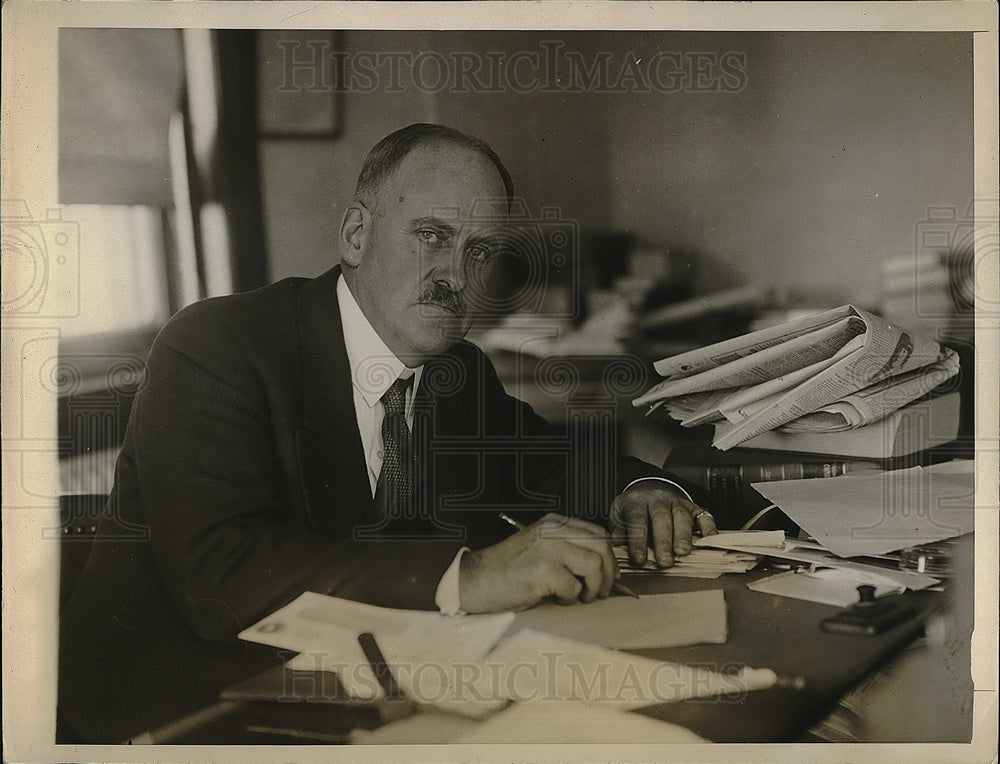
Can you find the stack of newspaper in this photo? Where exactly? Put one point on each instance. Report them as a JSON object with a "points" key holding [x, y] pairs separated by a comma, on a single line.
{"points": [[839, 369]]}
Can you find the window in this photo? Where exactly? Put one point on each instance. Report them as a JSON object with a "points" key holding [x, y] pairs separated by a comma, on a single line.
{"points": [[122, 270]]}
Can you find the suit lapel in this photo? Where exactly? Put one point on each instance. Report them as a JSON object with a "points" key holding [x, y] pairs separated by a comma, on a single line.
{"points": [[334, 472], [447, 416], [335, 476]]}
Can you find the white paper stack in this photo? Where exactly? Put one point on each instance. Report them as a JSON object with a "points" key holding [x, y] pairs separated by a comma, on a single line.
{"points": [[701, 563]]}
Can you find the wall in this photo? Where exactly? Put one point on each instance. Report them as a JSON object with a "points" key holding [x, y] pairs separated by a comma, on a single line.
{"points": [[815, 167]]}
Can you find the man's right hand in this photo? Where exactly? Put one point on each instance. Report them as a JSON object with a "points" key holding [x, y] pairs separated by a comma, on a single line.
{"points": [[559, 557]]}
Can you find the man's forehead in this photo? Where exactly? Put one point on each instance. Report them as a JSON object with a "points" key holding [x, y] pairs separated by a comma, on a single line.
{"points": [[485, 212], [444, 176]]}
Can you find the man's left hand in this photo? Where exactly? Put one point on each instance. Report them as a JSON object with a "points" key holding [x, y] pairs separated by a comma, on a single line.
{"points": [[660, 507]]}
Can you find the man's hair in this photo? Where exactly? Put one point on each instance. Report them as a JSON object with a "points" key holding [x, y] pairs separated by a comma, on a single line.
{"points": [[383, 159]]}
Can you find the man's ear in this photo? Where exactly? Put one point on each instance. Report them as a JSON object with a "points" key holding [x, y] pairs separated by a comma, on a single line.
{"points": [[354, 230]]}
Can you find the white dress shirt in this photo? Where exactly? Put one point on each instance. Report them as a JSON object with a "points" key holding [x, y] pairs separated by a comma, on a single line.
{"points": [[374, 368]]}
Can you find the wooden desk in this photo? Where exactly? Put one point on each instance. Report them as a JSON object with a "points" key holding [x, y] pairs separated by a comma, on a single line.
{"points": [[765, 631], [783, 634]]}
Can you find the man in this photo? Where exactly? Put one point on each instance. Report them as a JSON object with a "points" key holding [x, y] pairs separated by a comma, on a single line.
{"points": [[273, 451]]}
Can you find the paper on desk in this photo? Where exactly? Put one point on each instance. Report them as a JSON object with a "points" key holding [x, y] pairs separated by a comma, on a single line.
{"points": [[538, 668], [767, 539], [427, 728], [828, 586], [655, 620], [577, 723], [872, 514], [812, 553], [534, 723], [325, 631], [700, 563]]}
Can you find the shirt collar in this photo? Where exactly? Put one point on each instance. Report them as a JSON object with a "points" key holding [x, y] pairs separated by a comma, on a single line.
{"points": [[373, 365]]}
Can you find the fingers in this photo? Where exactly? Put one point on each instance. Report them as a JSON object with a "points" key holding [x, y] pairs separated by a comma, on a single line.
{"points": [[527, 567], [659, 520], [565, 588], [589, 555], [636, 527], [706, 523], [561, 526], [683, 527], [569, 572], [588, 571], [673, 526]]}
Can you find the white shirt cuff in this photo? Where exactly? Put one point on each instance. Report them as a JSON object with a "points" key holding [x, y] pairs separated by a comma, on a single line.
{"points": [[662, 480], [447, 597]]}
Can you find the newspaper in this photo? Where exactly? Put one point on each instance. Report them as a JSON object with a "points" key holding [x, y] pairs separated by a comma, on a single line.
{"points": [[878, 401], [844, 367]]}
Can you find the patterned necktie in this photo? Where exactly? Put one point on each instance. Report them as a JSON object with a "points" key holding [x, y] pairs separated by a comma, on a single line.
{"points": [[396, 474]]}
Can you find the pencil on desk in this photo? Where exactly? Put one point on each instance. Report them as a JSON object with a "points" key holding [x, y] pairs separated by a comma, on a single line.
{"points": [[617, 586]]}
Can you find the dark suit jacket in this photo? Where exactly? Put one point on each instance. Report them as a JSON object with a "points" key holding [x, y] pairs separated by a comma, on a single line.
{"points": [[242, 481]]}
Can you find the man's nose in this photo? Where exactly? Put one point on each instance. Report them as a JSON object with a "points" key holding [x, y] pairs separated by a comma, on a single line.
{"points": [[450, 270]]}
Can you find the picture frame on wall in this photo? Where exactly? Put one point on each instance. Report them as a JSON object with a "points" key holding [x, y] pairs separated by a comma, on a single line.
{"points": [[298, 84]]}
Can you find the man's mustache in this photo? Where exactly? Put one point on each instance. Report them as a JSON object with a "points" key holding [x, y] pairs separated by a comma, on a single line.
{"points": [[439, 294]]}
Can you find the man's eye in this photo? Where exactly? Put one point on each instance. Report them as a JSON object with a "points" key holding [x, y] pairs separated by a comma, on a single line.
{"points": [[427, 236], [480, 253]]}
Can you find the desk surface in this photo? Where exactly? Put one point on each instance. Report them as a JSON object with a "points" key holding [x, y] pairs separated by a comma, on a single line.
{"points": [[783, 634], [765, 631]]}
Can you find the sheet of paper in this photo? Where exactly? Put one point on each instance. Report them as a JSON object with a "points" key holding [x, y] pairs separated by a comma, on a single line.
{"points": [[830, 586], [576, 723], [653, 620], [813, 554], [872, 514], [529, 723], [428, 728], [538, 668], [700, 563], [416, 643], [769, 539]]}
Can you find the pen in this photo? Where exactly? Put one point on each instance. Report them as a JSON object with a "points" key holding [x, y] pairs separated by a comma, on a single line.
{"points": [[380, 666], [617, 586], [398, 705]]}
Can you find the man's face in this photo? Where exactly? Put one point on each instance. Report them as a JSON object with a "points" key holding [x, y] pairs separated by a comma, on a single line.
{"points": [[420, 257]]}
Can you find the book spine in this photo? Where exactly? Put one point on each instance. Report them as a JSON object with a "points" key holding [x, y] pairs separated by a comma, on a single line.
{"points": [[729, 484], [762, 473], [724, 474]]}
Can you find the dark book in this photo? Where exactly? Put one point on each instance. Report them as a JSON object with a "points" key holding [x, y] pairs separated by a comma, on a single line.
{"points": [[727, 477]]}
